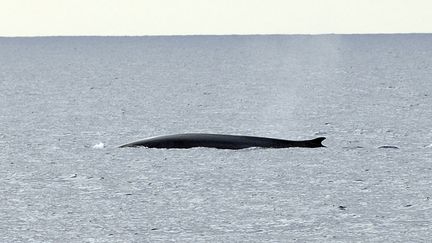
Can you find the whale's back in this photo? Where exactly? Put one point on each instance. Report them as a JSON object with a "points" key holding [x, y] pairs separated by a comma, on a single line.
{"points": [[221, 141]]}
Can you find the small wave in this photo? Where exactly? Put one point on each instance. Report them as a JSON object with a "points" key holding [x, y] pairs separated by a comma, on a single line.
{"points": [[99, 146]]}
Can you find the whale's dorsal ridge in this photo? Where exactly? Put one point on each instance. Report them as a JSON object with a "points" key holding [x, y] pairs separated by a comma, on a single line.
{"points": [[221, 141]]}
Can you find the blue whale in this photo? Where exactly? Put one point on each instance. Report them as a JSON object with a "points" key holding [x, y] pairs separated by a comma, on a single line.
{"points": [[221, 141]]}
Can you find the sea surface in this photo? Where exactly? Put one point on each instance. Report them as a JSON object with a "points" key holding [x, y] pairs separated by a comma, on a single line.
{"points": [[66, 103]]}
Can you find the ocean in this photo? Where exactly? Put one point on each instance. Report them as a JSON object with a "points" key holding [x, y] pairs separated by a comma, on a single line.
{"points": [[66, 103]]}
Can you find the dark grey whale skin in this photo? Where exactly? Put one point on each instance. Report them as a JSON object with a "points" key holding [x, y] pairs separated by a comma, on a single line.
{"points": [[221, 141]]}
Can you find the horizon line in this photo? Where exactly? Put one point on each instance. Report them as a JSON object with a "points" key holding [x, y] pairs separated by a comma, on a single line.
{"points": [[203, 35]]}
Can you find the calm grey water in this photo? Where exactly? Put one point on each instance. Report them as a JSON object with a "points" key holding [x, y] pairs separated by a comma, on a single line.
{"points": [[61, 96]]}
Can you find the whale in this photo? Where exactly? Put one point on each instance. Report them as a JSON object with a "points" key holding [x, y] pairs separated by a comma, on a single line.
{"points": [[221, 141]]}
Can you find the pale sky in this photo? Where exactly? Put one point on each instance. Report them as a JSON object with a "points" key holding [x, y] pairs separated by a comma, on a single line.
{"points": [[186, 17]]}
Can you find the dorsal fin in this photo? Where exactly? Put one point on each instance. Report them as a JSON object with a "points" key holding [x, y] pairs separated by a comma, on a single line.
{"points": [[317, 142]]}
